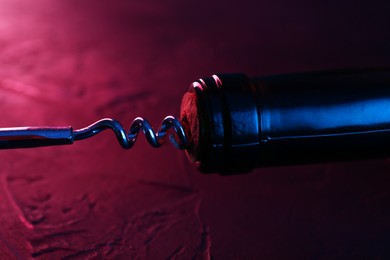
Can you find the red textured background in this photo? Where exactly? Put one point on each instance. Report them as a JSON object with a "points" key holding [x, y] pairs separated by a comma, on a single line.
{"points": [[73, 62]]}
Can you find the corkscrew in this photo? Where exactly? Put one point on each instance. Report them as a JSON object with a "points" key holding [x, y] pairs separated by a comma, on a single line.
{"points": [[230, 123], [24, 137]]}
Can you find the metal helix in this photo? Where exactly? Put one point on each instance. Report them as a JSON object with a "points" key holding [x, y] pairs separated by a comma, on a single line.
{"points": [[127, 139]]}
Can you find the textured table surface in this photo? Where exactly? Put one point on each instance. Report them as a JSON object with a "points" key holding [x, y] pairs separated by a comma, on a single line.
{"points": [[74, 62]]}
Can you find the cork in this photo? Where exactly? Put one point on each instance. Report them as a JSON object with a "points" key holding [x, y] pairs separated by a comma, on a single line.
{"points": [[190, 121]]}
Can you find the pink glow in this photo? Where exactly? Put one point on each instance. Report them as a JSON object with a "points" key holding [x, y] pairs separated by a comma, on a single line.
{"points": [[73, 62]]}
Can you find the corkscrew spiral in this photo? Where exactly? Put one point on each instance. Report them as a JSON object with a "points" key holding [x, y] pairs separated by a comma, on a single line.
{"points": [[128, 139]]}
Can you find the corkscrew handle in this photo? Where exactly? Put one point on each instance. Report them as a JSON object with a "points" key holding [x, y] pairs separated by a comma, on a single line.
{"points": [[25, 137]]}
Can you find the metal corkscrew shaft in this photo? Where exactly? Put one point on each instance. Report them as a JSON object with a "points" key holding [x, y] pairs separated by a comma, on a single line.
{"points": [[24, 137], [127, 139]]}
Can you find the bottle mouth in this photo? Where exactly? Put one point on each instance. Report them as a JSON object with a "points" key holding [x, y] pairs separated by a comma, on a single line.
{"points": [[217, 114]]}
